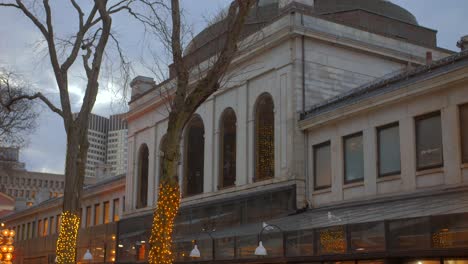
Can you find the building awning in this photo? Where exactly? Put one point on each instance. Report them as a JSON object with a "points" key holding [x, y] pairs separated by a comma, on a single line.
{"points": [[429, 203]]}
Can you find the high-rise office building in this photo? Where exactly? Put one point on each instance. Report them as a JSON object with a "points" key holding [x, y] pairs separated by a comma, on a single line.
{"points": [[107, 153], [117, 145]]}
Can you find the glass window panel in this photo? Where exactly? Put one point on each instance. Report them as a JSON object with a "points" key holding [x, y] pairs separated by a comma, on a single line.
{"points": [[422, 261], [206, 249], [273, 243], [225, 248], [106, 214], [45, 230], [300, 243], [195, 157], [378, 261], [464, 131], [455, 261], [450, 231], [253, 214], [322, 166], [367, 237], [116, 210], [246, 246], [143, 165], [182, 251], [354, 158], [389, 150], [264, 138], [409, 234], [97, 214], [429, 142], [228, 149], [331, 240], [88, 216]]}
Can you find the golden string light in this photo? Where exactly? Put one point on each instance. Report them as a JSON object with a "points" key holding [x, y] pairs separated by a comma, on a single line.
{"points": [[332, 240], [6, 245], [163, 223], [66, 243]]}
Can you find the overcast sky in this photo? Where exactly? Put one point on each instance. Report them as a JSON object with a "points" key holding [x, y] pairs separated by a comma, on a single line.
{"points": [[19, 39]]}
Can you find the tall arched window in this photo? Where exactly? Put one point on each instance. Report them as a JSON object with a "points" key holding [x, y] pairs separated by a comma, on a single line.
{"points": [[162, 154], [264, 138], [194, 157], [142, 186], [228, 149]]}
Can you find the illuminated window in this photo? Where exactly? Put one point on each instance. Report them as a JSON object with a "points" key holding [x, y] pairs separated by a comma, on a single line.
{"points": [[143, 162], [353, 158], [464, 131], [88, 216], [228, 149], [39, 228], [429, 141], [45, 230], [195, 157], [322, 166], [264, 138], [388, 138], [106, 213], [116, 210], [97, 213]]}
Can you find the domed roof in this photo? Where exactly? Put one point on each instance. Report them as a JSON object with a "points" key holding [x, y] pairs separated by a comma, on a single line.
{"points": [[381, 7]]}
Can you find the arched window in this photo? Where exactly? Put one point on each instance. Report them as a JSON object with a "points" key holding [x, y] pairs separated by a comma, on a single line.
{"points": [[162, 154], [194, 157], [264, 138], [228, 149], [142, 195]]}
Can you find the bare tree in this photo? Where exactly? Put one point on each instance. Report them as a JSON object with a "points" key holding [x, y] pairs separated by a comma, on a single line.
{"points": [[17, 117], [185, 98], [88, 42]]}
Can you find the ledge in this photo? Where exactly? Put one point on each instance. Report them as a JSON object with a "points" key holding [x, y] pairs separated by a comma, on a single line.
{"points": [[322, 191], [430, 171], [389, 178], [353, 185]]}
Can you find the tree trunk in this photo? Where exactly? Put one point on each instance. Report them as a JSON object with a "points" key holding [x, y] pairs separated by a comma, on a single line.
{"points": [[76, 154], [168, 196]]}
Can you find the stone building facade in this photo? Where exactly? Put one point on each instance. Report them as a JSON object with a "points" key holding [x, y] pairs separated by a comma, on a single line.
{"points": [[248, 151]]}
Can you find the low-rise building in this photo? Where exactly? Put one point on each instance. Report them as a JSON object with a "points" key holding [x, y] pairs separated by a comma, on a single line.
{"points": [[37, 227]]}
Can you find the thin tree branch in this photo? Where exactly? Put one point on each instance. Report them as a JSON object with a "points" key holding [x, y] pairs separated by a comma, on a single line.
{"points": [[39, 96]]}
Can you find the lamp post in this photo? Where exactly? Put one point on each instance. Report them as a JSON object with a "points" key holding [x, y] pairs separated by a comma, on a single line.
{"points": [[195, 253], [261, 250]]}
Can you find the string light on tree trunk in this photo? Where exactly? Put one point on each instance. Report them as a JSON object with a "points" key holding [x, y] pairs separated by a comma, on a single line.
{"points": [[163, 223], [66, 243]]}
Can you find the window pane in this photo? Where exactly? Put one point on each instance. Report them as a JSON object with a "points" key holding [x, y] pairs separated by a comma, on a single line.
{"points": [[455, 261], [367, 237], [97, 213], [332, 240], [322, 166], [228, 149], [389, 150], [246, 246], [273, 242], [264, 138], [225, 248], [409, 234], [88, 216], [143, 165], [106, 213], [450, 231], [464, 131], [300, 243], [429, 142], [116, 210], [195, 156], [354, 158]]}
